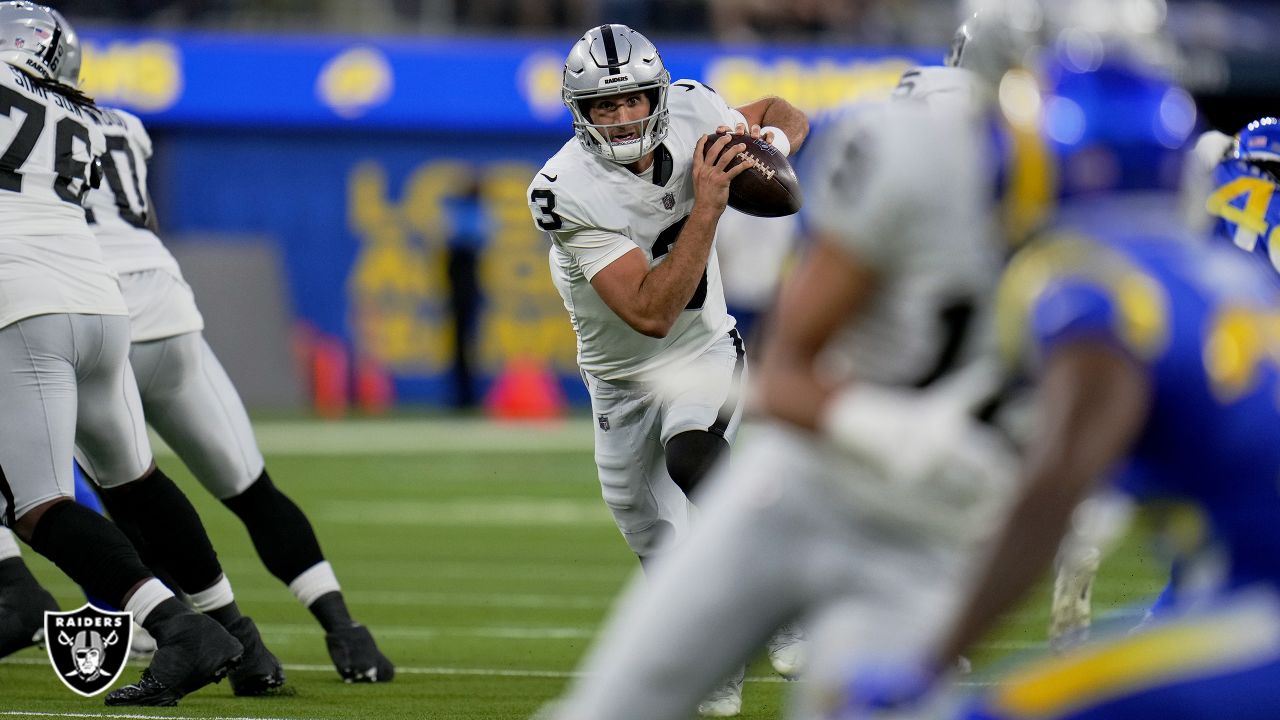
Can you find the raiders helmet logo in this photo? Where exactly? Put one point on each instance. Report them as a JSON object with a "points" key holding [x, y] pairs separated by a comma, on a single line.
{"points": [[88, 647]]}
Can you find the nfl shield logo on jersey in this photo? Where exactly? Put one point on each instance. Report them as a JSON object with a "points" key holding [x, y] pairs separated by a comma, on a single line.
{"points": [[668, 201], [603, 421], [88, 647]]}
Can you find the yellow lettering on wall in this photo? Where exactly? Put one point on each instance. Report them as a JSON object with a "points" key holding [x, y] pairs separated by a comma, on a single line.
{"points": [[145, 75], [398, 287]]}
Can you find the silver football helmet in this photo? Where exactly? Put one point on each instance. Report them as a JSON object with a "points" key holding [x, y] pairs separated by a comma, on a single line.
{"points": [[69, 70], [997, 36], [612, 60], [31, 39]]}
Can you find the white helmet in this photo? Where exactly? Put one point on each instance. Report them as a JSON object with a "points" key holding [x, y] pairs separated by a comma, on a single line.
{"points": [[69, 70], [612, 60], [31, 39]]}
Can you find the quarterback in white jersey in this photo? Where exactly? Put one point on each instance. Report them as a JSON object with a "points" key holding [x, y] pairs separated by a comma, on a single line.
{"points": [[856, 507], [631, 207], [66, 388], [192, 404]]}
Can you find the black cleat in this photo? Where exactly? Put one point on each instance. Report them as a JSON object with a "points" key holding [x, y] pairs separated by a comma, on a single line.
{"points": [[259, 672], [194, 650], [22, 608], [356, 655]]}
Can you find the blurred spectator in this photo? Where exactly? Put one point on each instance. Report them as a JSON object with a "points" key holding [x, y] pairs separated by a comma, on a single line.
{"points": [[468, 234]]}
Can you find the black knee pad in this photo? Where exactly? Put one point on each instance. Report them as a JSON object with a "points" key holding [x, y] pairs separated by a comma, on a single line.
{"points": [[280, 531], [90, 550], [170, 528], [691, 455]]}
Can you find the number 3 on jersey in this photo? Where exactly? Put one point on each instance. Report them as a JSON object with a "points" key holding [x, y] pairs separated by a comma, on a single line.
{"points": [[546, 202]]}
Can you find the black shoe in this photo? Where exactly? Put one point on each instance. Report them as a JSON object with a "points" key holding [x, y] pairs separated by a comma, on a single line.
{"points": [[259, 672], [193, 651], [356, 655], [22, 608]]}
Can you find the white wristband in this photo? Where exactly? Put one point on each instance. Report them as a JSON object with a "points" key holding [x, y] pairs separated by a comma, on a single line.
{"points": [[780, 140]]}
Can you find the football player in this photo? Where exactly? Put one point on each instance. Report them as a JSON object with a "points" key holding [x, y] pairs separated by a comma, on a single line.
{"points": [[1243, 202], [67, 388], [191, 403], [1227, 191], [631, 206], [858, 505], [1154, 352]]}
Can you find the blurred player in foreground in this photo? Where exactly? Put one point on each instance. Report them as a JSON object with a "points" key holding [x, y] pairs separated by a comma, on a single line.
{"points": [[192, 404], [1155, 353], [859, 505], [631, 206]]}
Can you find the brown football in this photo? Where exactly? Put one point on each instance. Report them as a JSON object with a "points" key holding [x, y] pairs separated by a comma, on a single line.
{"points": [[769, 188]]}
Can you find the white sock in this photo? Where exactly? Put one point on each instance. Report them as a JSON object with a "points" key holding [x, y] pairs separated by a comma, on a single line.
{"points": [[146, 598], [314, 582], [8, 545], [215, 596]]}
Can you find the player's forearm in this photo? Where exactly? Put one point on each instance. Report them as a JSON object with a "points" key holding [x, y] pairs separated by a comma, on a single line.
{"points": [[789, 119], [667, 289]]}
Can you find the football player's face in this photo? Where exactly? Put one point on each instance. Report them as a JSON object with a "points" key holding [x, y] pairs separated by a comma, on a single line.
{"points": [[620, 110]]}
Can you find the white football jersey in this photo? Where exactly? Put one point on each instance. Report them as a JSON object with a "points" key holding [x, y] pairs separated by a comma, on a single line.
{"points": [[595, 211], [906, 186], [50, 261], [119, 208]]}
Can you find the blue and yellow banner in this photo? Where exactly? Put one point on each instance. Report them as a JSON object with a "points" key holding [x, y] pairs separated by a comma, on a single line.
{"points": [[448, 84]]}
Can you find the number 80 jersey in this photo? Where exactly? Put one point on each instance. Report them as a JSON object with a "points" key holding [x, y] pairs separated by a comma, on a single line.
{"points": [[595, 211], [119, 208]]}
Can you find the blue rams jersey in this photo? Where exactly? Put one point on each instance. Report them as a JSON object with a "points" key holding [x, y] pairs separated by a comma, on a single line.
{"points": [[1247, 210], [1204, 323]]}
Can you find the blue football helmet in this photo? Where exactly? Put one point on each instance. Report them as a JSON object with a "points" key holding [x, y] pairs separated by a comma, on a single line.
{"points": [[1114, 124], [1258, 144]]}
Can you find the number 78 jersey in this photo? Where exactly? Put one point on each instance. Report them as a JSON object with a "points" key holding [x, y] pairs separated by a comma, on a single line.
{"points": [[595, 211], [50, 261]]}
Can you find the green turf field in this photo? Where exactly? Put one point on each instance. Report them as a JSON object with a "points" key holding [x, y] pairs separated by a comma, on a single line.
{"points": [[482, 558]]}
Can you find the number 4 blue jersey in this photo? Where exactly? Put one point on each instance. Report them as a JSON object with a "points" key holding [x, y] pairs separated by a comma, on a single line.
{"points": [[1246, 209], [1203, 322]]}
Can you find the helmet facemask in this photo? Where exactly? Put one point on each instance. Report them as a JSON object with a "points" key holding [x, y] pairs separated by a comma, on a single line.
{"points": [[612, 60]]}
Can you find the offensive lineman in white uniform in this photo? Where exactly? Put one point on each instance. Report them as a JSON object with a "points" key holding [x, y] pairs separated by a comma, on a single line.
{"points": [[192, 404], [861, 503], [67, 387], [631, 208]]}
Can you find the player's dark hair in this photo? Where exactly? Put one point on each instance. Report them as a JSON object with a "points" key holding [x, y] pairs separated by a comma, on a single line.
{"points": [[75, 95]]}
